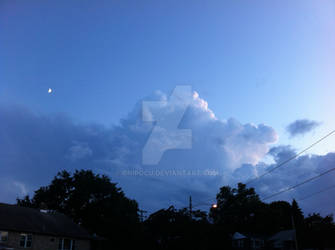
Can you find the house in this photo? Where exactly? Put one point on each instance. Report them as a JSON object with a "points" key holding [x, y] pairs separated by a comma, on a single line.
{"points": [[5, 247], [283, 240], [28, 228], [247, 241]]}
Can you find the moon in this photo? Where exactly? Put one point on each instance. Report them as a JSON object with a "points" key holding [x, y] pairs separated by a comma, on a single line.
{"points": [[49, 90]]}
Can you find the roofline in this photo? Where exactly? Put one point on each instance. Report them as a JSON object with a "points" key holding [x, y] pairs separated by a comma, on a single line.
{"points": [[47, 234]]}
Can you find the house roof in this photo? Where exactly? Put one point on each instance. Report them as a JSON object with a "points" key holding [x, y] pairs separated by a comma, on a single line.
{"points": [[22, 219], [255, 236], [286, 235], [238, 236]]}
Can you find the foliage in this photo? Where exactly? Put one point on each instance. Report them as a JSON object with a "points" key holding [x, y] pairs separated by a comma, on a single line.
{"points": [[102, 207], [92, 201], [178, 229]]}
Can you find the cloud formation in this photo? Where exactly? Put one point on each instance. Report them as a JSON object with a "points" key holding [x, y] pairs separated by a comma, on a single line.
{"points": [[295, 172], [301, 127], [33, 148]]}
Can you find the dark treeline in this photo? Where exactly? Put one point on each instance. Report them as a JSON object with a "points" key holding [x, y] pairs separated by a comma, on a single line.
{"points": [[101, 207]]}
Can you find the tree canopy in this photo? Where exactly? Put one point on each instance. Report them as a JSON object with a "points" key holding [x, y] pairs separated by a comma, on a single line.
{"points": [[92, 201], [100, 206]]}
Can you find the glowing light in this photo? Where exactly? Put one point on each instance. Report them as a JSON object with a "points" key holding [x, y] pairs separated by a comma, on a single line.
{"points": [[49, 90], [214, 206]]}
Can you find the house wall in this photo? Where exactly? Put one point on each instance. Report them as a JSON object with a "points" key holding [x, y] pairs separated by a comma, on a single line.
{"points": [[43, 242], [248, 243]]}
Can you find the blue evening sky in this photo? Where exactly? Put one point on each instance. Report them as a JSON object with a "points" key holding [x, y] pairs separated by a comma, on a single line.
{"points": [[258, 61]]}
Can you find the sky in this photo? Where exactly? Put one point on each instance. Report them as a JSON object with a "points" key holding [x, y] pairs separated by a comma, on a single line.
{"points": [[262, 73]]}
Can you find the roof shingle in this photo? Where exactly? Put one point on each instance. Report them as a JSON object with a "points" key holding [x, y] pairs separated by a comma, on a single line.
{"points": [[22, 219]]}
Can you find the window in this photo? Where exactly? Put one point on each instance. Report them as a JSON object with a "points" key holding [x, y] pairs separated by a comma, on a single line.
{"points": [[66, 244], [3, 236], [240, 243], [26, 240], [258, 243]]}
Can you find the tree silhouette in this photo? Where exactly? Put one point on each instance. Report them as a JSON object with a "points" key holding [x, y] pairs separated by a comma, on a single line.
{"points": [[100, 206], [92, 201], [237, 208]]}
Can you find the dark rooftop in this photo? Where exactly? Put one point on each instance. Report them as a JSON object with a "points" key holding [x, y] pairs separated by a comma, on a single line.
{"points": [[22, 219]]}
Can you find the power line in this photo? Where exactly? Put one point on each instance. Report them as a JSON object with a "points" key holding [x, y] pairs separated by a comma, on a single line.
{"points": [[290, 188], [321, 191], [299, 184], [280, 165], [203, 204], [291, 158]]}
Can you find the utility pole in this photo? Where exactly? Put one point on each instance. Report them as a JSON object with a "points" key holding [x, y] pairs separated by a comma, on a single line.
{"points": [[142, 212], [190, 207], [295, 232]]}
